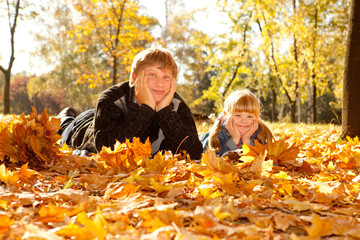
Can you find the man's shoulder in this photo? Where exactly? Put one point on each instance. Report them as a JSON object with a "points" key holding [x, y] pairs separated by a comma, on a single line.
{"points": [[179, 101], [123, 86], [177, 96], [116, 90]]}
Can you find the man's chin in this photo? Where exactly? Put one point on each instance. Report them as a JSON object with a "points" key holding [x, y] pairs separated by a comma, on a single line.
{"points": [[159, 99]]}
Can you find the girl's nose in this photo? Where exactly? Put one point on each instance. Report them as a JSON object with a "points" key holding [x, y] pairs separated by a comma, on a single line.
{"points": [[242, 119]]}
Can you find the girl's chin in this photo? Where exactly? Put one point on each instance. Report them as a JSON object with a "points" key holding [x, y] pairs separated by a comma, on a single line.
{"points": [[244, 129]]}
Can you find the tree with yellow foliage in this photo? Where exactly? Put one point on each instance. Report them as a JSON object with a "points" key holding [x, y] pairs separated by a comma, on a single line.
{"points": [[116, 32]]}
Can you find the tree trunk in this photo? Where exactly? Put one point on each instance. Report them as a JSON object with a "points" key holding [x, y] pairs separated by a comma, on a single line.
{"points": [[311, 115], [351, 81], [293, 111], [273, 103], [298, 110], [282, 106], [7, 91], [314, 96], [7, 72], [309, 104]]}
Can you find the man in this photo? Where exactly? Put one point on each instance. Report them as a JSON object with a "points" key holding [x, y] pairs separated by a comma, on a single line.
{"points": [[146, 106]]}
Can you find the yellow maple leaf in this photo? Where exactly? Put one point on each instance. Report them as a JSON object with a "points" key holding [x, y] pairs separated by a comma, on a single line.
{"points": [[97, 228], [160, 186], [30, 139], [52, 213], [283, 153], [253, 151], [208, 191], [139, 148], [25, 174], [74, 231], [226, 182], [257, 165], [5, 223], [215, 163], [160, 163], [8, 177], [155, 219], [3, 204], [120, 158], [220, 215], [120, 191], [283, 220], [320, 227]]}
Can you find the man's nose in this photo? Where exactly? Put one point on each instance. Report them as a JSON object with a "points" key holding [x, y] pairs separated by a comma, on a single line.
{"points": [[160, 81]]}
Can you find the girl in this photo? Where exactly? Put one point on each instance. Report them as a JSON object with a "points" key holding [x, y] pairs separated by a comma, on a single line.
{"points": [[238, 124]]}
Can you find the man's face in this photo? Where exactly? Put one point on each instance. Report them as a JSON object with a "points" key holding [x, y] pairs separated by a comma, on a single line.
{"points": [[159, 81]]}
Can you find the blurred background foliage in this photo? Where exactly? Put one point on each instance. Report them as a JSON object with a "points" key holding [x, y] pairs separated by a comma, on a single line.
{"points": [[289, 53]]}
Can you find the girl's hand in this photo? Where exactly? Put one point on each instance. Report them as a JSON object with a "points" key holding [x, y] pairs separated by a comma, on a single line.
{"points": [[246, 135], [168, 97], [142, 91], [233, 130]]}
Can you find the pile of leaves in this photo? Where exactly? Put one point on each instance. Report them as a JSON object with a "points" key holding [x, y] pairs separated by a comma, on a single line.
{"points": [[304, 185]]}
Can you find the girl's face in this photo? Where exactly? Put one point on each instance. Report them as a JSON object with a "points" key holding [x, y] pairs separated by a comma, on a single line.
{"points": [[243, 119], [159, 81]]}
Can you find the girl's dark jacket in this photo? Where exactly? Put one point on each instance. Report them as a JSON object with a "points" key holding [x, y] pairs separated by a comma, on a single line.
{"points": [[117, 116]]}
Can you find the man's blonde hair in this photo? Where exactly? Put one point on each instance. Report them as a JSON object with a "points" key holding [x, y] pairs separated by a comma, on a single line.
{"points": [[158, 56]]}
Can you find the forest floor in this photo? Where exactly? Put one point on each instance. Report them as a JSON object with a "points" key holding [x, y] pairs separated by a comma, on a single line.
{"points": [[305, 185]]}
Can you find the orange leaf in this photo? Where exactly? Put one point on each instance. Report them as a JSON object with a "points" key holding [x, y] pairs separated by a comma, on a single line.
{"points": [[5, 223], [320, 227], [283, 154], [215, 163], [74, 231], [52, 213], [8, 177], [141, 149], [25, 174], [160, 163], [97, 227], [30, 139], [120, 191]]}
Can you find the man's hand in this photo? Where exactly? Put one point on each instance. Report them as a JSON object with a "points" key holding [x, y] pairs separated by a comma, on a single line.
{"points": [[142, 91], [168, 97]]}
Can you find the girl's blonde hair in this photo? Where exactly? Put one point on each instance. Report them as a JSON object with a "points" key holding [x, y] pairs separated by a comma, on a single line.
{"points": [[241, 100], [158, 56]]}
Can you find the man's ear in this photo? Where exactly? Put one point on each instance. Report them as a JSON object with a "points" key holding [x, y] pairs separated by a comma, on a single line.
{"points": [[133, 78]]}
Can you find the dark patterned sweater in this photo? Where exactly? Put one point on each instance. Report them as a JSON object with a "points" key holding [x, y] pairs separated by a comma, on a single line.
{"points": [[118, 117]]}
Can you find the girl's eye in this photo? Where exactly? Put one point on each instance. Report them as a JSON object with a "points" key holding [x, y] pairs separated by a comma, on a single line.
{"points": [[152, 75]]}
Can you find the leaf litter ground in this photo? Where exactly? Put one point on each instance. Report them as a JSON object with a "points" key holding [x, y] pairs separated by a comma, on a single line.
{"points": [[305, 185]]}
